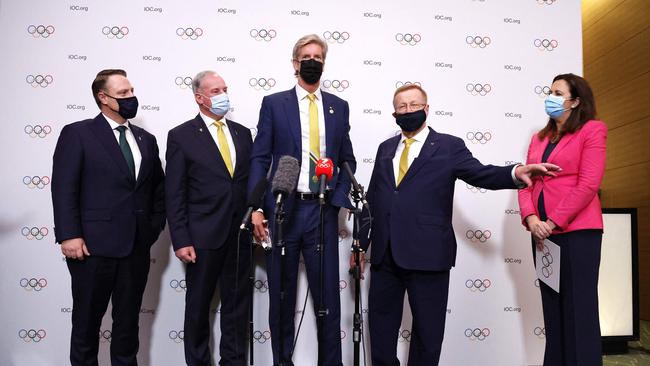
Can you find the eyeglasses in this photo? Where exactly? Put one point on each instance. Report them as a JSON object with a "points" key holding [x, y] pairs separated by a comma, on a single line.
{"points": [[413, 107]]}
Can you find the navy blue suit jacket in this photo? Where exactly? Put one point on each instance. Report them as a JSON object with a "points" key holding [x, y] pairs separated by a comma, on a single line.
{"points": [[202, 199], [278, 134], [415, 218], [95, 196]]}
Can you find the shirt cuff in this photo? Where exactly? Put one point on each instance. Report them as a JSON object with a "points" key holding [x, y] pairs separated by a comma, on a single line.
{"points": [[516, 181]]}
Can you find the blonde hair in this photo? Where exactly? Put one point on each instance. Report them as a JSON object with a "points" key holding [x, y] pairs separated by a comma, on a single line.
{"points": [[308, 39]]}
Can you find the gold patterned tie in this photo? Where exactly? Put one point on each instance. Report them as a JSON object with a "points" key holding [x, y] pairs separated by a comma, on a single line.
{"points": [[314, 143], [223, 146], [404, 160]]}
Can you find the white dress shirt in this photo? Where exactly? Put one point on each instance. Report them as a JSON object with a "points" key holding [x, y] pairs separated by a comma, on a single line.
{"points": [[303, 107], [414, 150], [209, 122], [130, 139]]}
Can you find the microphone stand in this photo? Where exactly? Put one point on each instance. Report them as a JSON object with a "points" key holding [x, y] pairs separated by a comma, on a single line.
{"points": [[251, 279], [279, 223], [321, 303], [357, 197]]}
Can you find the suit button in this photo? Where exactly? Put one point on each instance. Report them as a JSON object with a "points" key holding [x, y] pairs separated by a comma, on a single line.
{"points": [[395, 192]]}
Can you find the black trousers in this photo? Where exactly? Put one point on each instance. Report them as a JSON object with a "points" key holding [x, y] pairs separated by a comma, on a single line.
{"points": [[95, 281], [212, 266], [427, 292], [571, 316]]}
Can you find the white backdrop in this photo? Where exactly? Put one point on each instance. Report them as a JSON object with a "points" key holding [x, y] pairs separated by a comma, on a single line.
{"points": [[484, 64]]}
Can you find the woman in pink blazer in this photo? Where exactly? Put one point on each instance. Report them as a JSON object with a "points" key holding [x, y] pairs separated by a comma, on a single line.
{"points": [[566, 210]]}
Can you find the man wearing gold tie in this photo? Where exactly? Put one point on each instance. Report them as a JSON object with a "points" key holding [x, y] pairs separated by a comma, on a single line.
{"points": [[207, 171], [411, 194], [308, 124]]}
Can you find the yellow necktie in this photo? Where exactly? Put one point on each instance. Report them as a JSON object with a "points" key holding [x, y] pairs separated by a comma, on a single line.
{"points": [[314, 142], [223, 146], [404, 160]]}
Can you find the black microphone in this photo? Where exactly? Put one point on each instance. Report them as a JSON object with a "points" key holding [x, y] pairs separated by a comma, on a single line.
{"points": [[254, 201], [356, 185], [285, 179]]}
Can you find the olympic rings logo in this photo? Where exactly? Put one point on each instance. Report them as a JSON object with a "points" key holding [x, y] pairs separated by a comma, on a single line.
{"points": [[536, 282], [261, 286], [477, 333], [335, 85], [183, 82], [343, 334], [32, 335], [404, 335], [37, 130], [478, 89], [475, 189], [33, 284], [34, 232], [480, 285], [263, 34], [479, 137], [478, 41], [540, 332], [40, 30], [261, 336], [105, 336], [36, 181], [261, 83], [39, 80], [343, 284], [478, 235], [253, 132], [336, 36], [400, 84], [115, 32], [178, 285], [547, 260], [189, 33], [542, 91], [545, 44], [547, 2], [343, 234], [408, 38], [177, 336]]}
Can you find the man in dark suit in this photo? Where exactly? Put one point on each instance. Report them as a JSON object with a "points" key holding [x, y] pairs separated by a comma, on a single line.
{"points": [[308, 124], [108, 199], [413, 243], [207, 170]]}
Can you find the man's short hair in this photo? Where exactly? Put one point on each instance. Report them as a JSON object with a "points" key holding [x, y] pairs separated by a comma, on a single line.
{"points": [[406, 87], [308, 39], [100, 82], [196, 82]]}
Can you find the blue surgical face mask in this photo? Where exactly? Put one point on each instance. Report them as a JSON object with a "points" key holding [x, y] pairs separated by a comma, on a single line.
{"points": [[554, 105], [220, 104]]}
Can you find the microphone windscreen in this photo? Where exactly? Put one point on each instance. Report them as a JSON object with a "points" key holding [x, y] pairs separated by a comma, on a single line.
{"points": [[256, 194], [286, 175], [325, 167]]}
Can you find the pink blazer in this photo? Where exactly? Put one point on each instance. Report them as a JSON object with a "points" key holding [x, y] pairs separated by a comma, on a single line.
{"points": [[571, 198]]}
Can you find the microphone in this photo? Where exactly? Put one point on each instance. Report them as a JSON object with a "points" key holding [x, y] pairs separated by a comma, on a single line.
{"points": [[324, 172], [285, 179], [254, 201], [356, 185]]}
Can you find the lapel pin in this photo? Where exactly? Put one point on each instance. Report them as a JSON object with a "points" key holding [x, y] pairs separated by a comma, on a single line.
{"points": [[140, 138], [200, 130], [331, 110]]}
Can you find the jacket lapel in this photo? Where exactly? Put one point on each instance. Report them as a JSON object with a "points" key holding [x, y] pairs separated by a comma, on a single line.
{"points": [[106, 137], [236, 140], [207, 143], [145, 163], [292, 116], [429, 148], [564, 141], [387, 157], [329, 114]]}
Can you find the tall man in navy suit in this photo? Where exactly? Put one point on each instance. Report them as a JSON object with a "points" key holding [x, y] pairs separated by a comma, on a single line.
{"points": [[207, 170], [308, 124], [411, 195], [108, 199]]}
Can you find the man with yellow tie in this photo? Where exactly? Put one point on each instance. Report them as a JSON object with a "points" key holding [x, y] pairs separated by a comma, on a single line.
{"points": [[207, 170], [306, 123], [411, 194]]}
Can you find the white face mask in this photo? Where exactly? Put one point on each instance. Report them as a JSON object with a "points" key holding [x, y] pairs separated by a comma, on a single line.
{"points": [[220, 104]]}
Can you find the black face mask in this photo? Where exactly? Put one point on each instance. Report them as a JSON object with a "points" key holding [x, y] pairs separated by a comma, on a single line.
{"points": [[128, 107], [311, 70], [410, 122]]}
